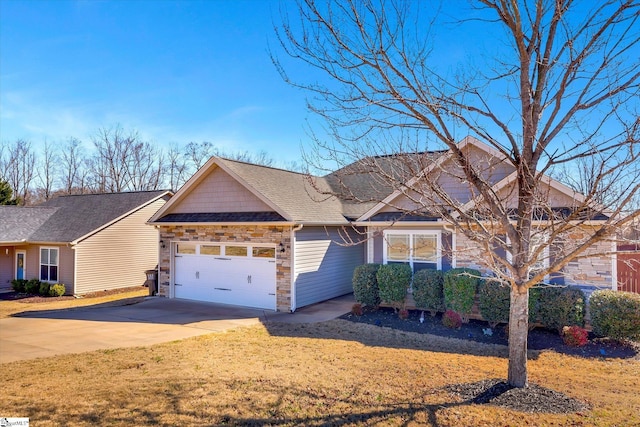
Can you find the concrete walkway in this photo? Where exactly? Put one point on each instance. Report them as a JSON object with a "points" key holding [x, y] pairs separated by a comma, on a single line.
{"points": [[152, 321]]}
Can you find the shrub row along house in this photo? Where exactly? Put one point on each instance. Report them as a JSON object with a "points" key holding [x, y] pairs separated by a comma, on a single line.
{"points": [[256, 236], [87, 242]]}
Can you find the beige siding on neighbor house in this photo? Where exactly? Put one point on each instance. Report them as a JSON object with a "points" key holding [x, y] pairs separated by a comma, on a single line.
{"points": [[117, 256], [220, 192], [6, 266]]}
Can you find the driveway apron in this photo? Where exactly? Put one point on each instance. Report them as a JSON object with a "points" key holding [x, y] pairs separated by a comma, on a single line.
{"points": [[152, 321]]}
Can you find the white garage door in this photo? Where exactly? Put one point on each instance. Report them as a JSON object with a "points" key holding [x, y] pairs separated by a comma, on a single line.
{"points": [[226, 273]]}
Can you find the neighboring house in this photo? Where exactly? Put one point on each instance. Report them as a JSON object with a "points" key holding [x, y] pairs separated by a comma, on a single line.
{"points": [[251, 235], [90, 242]]}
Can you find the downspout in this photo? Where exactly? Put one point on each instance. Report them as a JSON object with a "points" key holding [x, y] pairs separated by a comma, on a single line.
{"points": [[293, 266]]}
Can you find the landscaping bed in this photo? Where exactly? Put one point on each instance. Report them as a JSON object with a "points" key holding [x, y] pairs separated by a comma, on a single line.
{"points": [[35, 299], [478, 331]]}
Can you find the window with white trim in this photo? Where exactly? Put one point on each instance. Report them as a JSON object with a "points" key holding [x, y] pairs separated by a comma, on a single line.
{"points": [[49, 264], [420, 249]]}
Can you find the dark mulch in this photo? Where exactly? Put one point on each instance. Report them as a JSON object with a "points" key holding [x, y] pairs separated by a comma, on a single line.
{"points": [[478, 331], [35, 299], [532, 398]]}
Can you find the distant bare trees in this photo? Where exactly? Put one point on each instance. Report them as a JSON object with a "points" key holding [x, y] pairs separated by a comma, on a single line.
{"points": [[116, 160]]}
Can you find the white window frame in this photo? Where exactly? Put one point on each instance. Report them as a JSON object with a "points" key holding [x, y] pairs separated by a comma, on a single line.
{"points": [[49, 264], [411, 234]]}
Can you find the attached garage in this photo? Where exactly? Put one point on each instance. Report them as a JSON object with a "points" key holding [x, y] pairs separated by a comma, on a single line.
{"points": [[236, 274]]}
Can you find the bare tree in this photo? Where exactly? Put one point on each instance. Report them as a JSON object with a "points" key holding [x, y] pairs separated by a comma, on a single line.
{"points": [[145, 167], [20, 166], [559, 84], [73, 166], [199, 153], [46, 172], [177, 169]]}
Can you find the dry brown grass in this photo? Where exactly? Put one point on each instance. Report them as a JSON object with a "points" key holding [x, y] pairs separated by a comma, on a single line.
{"points": [[333, 373], [9, 308]]}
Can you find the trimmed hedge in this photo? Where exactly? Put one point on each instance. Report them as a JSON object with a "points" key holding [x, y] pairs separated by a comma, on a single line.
{"points": [[560, 306], [44, 289], [459, 289], [494, 300], [32, 287], [18, 285], [428, 290], [615, 314], [393, 282], [365, 285]]}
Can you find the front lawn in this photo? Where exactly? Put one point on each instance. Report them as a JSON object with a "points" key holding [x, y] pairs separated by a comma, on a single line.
{"points": [[332, 373]]}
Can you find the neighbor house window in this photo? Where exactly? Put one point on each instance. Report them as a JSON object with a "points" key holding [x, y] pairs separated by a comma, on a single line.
{"points": [[49, 264], [419, 249]]}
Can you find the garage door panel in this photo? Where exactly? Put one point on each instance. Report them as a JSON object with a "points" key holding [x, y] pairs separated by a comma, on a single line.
{"points": [[229, 280]]}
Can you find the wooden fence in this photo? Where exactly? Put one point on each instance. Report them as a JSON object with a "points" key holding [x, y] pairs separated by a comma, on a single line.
{"points": [[629, 269]]}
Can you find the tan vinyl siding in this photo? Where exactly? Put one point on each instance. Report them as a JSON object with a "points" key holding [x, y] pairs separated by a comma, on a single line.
{"points": [[220, 192], [117, 256], [323, 267]]}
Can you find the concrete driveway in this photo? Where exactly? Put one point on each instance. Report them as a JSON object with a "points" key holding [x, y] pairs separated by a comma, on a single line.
{"points": [[152, 321]]}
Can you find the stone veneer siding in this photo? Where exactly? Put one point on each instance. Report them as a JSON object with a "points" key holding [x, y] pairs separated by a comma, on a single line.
{"points": [[233, 234], [595, 271]]}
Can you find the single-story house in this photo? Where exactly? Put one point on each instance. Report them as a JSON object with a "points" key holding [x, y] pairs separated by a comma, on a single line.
{"points": [[90, 242], [251, 235]]}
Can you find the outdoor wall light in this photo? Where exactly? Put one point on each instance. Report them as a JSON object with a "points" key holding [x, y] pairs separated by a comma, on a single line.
{"points": [[281, 247], [6, 251], [162, 244]]}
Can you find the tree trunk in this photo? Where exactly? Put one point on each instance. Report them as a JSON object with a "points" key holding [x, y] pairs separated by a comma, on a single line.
{"points": [[518, 334]]}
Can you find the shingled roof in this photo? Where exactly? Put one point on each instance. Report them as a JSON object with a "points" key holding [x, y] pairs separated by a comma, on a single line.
{"points": [[68, 218]]}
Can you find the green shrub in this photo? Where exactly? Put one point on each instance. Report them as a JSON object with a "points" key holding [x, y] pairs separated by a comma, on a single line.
{"points": [[393, 282], [32, 286], [57, 290], [44, 289], [428, 290], [561, 306], [18, 285], [534, 306], [459, 289], [365, 285], [494, 300], [615, 314]]}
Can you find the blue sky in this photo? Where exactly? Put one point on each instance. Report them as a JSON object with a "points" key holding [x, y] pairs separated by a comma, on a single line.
{"points": [[176, 71]]}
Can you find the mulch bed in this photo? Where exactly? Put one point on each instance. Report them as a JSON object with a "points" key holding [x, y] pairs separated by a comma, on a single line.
{"points": [[478, 331], [35, 299]]}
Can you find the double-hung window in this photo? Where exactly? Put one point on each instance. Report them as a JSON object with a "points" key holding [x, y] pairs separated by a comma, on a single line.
{"points": [[49, 264], [420, 249]]}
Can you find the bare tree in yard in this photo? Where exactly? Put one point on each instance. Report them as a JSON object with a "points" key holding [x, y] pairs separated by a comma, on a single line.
{"points": [[558, 86]]}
